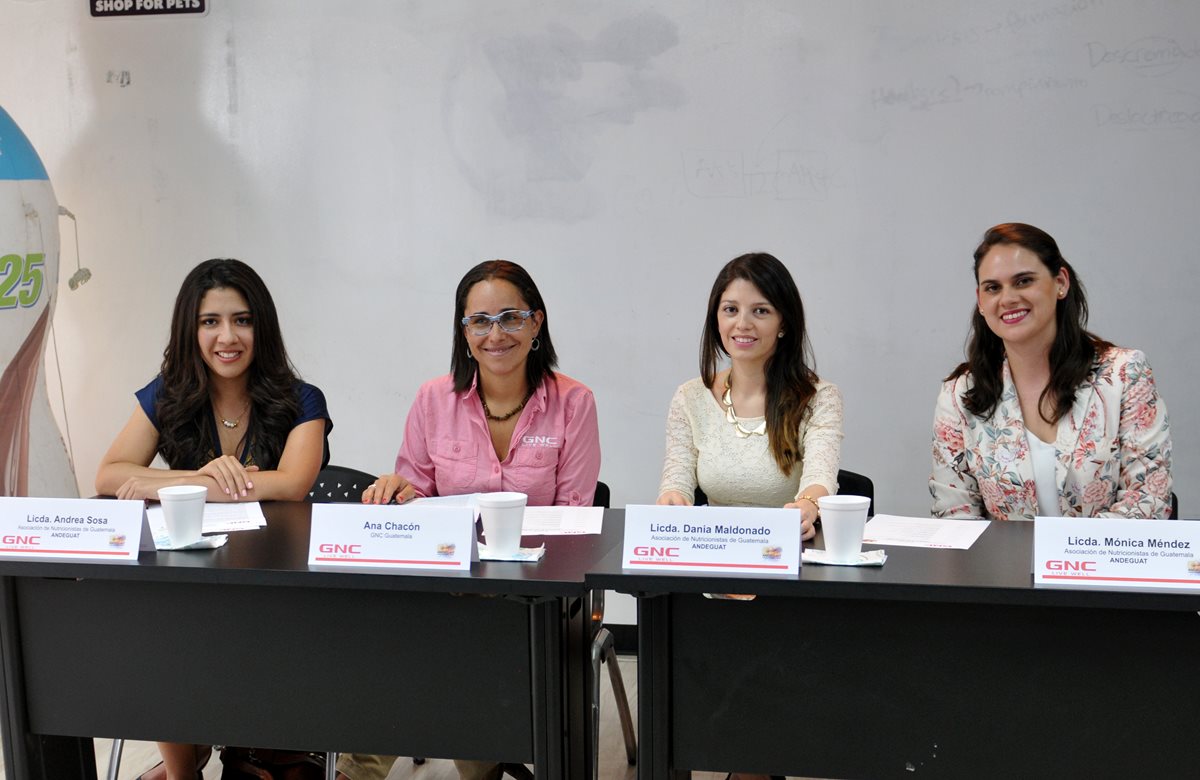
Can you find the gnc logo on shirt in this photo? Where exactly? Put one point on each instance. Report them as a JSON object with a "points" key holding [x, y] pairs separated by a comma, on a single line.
{"points": [[540, 441]]}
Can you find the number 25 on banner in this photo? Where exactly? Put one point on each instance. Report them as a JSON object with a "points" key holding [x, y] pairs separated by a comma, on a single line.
{"points": [[21, 280]]}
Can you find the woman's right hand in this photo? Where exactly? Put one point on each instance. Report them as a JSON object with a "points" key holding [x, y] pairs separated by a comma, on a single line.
{"points": [[387, 488], [230, 475], [673, 498]]}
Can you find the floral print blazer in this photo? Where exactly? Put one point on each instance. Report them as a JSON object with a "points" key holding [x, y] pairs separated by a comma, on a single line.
{"points": [[1114, 449]]}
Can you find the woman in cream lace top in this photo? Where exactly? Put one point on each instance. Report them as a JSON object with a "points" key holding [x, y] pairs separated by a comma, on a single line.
{"points": [[766, 431]]}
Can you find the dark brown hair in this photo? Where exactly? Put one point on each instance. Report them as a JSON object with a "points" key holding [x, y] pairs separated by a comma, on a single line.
{"points": [[540, 363], [791, 371], [184, 408], [1074, 350]]}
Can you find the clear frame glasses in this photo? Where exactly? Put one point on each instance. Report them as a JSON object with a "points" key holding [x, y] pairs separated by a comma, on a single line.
{"points": [[510, 321]]}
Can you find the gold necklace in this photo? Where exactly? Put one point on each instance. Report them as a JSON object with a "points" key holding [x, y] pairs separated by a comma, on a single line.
{"points": [[740, 430], [503, 417], [231, 424]]}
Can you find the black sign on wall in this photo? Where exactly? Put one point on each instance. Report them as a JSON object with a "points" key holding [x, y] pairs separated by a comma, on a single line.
{"points": [[147, 7]]}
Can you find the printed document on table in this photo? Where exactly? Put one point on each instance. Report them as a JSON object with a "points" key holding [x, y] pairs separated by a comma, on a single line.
{"points": [[466, 499], [923, 532], [236, 516], [562, 520]]}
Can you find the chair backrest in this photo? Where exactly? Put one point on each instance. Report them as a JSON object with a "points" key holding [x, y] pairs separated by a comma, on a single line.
{"points": [[603, 496], [1174, 507], [339, 485], [849, 484], [854, 484]]}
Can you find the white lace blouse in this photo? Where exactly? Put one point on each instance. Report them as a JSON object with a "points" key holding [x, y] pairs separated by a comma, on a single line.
{"points": [[703, 449]]}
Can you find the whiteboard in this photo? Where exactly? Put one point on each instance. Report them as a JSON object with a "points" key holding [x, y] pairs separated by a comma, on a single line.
{"points": [[363, 155]]}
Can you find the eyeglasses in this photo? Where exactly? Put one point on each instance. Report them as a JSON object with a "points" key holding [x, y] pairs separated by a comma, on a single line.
{"points": [[509, 321]]}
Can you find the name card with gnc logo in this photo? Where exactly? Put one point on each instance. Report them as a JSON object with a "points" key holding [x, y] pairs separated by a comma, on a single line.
{"points": [[1115, 553], [712, 539], [72, 528], [392, 537]]}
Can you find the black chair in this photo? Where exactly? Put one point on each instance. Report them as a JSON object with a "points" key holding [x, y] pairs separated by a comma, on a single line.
{"points": [[853, 484], [849, 484], [603, 652], [334, 484], [603, 496], [339, 485], [1174, 507]]}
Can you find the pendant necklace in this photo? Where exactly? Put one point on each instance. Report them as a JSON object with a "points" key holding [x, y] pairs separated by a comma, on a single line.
{"points": [[739, 428], [231, 424]]}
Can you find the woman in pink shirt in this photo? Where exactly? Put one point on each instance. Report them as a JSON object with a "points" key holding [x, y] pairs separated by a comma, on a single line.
{"points": [[501, 420]]}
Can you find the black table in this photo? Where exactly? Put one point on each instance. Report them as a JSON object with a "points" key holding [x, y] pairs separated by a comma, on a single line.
{"points": [[943, 663], [245, 645]]}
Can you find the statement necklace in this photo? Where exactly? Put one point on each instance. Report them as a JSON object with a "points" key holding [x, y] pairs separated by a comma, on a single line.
{"points": [[740, 430], [231, 424], [502, 417]]}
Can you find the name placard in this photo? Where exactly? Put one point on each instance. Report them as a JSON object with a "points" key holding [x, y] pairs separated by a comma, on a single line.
{"points": [[1116, 553], [73, 528], [712, 539], [392, 537]]}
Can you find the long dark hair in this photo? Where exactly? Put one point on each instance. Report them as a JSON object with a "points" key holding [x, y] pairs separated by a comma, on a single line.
{"points": [[791, 371], [540, 364], [184, 410], [1074, 350]]}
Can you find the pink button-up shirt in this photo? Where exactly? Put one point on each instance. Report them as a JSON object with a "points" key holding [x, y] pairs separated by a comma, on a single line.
{"points": [[554, 456]]}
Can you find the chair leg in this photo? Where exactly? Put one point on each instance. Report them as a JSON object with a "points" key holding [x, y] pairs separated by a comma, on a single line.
{"points": [[597, 659], [331, 760], [622, 699], [518, 771], [114, 758], [602, 651]]}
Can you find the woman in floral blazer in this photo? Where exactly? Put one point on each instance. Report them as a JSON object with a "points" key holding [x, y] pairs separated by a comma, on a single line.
{"points": [[1036, 381]]}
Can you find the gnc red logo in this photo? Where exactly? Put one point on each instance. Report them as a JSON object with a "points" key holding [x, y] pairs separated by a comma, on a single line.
{"points": [[14, 539], [341, 549], [656, 552], [1071, 565]]}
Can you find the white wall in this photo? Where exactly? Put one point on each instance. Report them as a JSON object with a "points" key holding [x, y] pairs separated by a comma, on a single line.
{"points": [[363, 155]]}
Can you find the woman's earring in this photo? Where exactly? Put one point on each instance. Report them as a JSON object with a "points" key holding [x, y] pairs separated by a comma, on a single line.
{"points": [[780, 334], [535, 345]]}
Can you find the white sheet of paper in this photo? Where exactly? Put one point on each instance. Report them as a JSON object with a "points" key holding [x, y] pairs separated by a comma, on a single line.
{"points": [[466, 499], [923, 532], [562, 520], [236, 516]]}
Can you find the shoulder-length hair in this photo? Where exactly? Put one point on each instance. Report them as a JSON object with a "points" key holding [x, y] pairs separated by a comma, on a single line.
{"points": [[185, 417], [1073, 352], [540, 363], [791, 371]]}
